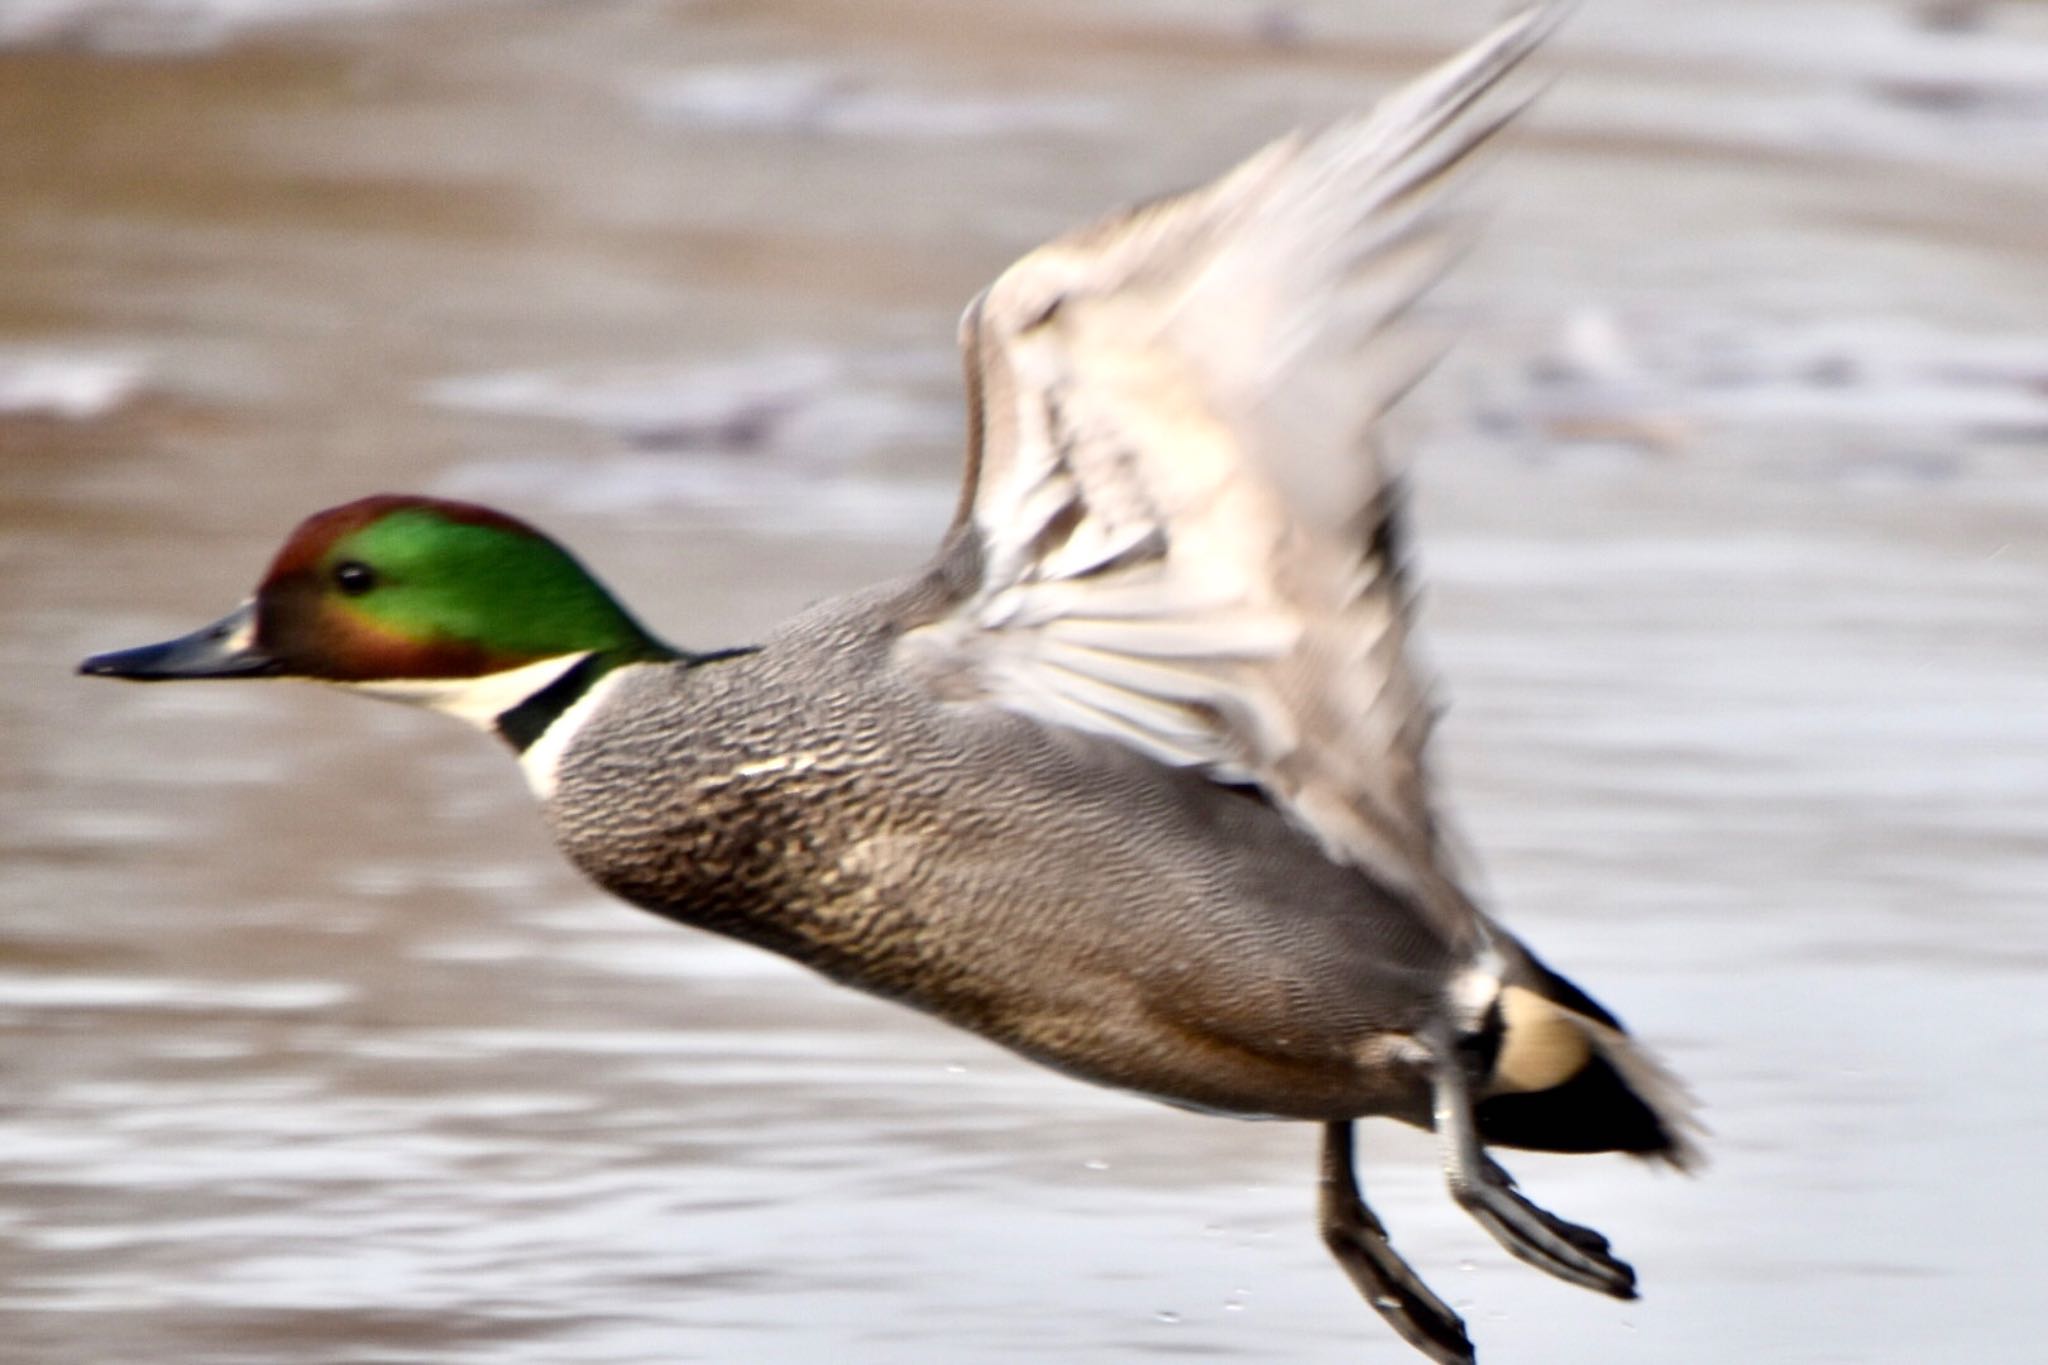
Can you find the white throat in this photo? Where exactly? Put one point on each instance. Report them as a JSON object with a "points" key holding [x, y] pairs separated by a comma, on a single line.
{"points": [[480, 701]]}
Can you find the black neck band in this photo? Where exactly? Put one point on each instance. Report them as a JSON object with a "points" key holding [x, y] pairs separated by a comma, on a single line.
{"points": [[529, 720]]}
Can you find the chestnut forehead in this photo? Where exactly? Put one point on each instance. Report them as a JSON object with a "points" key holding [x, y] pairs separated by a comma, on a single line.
{"points": [[318, 534]]}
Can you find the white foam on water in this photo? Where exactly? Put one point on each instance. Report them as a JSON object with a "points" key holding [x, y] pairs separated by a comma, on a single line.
{"points": [[819, 98], [775, 439], [710, 403], [167, 26], [76, 385], [1656, 375], [795, 502], [21, 990]]}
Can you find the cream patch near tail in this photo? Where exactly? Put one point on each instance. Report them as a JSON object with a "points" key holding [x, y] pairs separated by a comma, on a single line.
{"points": [[1564, 1080], [1541, 1044]]}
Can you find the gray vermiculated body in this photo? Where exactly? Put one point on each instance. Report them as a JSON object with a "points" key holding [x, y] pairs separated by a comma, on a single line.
{"points": [[811, 799]]}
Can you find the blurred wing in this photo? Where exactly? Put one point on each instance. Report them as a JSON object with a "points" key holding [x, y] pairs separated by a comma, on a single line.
{"points": [[1183, 535]]}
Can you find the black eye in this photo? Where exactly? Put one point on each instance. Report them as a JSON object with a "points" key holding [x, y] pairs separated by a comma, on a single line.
{"points": [[354, 578]]}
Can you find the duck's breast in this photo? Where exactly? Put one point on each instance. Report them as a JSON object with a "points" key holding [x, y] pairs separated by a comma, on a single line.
{"points": [[1103, 914]]}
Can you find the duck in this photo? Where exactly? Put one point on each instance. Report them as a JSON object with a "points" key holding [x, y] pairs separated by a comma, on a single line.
{"points": [[1132, 777]]}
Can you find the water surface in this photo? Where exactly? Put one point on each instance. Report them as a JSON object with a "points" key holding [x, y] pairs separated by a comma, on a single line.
{"points": [[1734, 512]]}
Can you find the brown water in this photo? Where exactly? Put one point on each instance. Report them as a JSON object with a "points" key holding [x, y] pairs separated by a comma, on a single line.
{"points": [[1734, 511]]}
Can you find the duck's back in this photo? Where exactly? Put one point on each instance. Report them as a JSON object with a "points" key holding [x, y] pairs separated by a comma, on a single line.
{"points": [[1100, 912]]}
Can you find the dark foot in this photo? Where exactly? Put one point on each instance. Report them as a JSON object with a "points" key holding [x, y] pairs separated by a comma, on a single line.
{"points": [[1575, 1254], [1585, 1239], [1566, 1250], [1359, 1242]]}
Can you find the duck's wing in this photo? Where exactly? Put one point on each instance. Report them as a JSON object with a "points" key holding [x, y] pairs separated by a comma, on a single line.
{"points": [[1177, 529]]}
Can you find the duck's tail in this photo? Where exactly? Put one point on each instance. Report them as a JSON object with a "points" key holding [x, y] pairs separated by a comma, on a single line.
{"points": [[1566, 1077]]}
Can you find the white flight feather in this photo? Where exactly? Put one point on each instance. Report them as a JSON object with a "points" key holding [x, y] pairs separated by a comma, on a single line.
{"points": [[1175, 485]]}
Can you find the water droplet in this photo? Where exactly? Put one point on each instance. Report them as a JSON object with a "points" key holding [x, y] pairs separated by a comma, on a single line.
{"points": [[955, 1069], [1468, 1265], [1095, 1165], [1166, 1315]]}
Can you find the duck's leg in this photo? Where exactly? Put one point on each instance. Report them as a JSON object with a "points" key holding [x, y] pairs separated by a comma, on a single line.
{"points": [[1358, 1241], [1488, 1193]]}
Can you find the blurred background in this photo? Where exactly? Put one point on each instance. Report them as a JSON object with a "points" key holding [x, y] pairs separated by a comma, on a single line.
{"points": [[1733, 512]]}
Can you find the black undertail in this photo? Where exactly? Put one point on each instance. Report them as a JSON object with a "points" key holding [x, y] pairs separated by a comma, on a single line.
{"points": [[1593, 1111]]}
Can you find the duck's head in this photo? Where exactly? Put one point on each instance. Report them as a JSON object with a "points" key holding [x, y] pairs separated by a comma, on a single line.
{"points": [[421, 599]]}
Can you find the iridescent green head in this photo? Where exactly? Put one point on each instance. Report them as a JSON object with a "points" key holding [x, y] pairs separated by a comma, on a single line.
{"points": [[396, 589]]}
